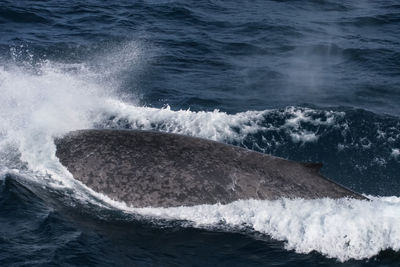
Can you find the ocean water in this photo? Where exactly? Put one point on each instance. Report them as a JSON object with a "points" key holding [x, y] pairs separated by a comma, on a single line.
{"points": [[304, 80]]}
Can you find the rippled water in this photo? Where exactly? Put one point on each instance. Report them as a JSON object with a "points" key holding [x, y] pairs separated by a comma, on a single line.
{"points": [[305, 80]]}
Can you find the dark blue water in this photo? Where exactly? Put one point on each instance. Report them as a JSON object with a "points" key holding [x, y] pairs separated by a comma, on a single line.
{"points": [[305, 80]]}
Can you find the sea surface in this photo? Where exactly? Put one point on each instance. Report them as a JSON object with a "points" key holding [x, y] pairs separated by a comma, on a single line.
{"points": [[305, 80]]}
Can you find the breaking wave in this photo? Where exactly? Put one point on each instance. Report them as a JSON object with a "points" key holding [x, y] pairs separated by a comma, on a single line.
{"points": [[343, 229]]}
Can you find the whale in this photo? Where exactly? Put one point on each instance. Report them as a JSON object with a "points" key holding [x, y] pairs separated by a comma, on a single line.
{"points": [[158, 169]]}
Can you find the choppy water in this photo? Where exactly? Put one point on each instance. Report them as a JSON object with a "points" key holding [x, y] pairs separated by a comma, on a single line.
{"points": [[305, 80]]}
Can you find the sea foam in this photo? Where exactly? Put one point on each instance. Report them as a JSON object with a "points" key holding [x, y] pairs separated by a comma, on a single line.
{"points": [[37, 106], [343, 229]]}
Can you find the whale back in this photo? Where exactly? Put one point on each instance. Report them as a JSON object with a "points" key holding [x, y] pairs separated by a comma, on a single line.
{"points": [[145, 168]]}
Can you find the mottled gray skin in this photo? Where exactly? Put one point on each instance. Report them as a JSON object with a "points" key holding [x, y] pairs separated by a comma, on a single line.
{"points": [[144, 168]]}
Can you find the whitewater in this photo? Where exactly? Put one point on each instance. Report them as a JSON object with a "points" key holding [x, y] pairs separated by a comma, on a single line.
{"points": [[45, 101]]}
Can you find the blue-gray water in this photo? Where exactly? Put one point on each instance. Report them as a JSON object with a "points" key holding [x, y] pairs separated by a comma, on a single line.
{"points": [[305, 80]]}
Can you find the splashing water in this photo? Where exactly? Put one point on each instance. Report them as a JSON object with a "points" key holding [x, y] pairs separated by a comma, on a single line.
{"points": [[37, 106]]}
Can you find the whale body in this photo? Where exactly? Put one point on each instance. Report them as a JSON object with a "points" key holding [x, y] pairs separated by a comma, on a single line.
{"points": [[146, 168]]}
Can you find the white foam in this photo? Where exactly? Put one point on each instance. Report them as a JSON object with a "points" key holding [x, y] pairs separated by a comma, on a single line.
{"points": [[395, 153], [220, 126], [34, 108], [343, 229], [214, 125], [300, 116], [57, 98]]}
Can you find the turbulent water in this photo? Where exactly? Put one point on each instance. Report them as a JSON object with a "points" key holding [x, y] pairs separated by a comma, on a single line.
{"points": [[304, 80]]}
